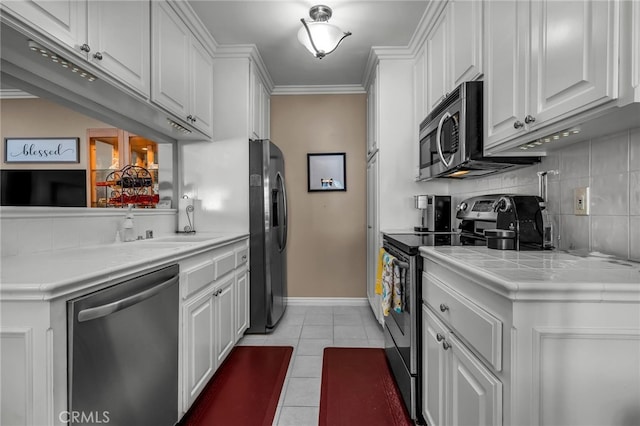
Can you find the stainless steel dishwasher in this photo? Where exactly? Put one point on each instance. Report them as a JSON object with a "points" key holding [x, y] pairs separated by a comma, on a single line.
{"points": [[123, 352]]}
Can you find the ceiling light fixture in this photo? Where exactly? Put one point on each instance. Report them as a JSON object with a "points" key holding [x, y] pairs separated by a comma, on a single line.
{"points": [[319, 36], [44, 52]]}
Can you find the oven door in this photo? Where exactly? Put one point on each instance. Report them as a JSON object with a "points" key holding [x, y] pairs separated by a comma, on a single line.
{"points": [[440, 142]]}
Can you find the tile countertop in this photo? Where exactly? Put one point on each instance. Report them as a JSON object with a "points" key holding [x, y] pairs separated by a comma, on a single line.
{"points": [[543, 275], [49, 275]]}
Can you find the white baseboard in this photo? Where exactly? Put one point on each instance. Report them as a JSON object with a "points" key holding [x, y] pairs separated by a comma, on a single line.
{"points": [[327, 301]]}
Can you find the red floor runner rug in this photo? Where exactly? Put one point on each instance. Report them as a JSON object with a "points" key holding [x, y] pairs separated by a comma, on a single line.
{"points": [[358, 389], [245, 390]]}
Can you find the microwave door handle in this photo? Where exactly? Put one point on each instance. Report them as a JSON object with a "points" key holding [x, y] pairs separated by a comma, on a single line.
{"points": [[446, 163]]}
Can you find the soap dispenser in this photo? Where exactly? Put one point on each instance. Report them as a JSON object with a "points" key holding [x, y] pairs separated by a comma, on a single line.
{"points": [[127, 226]]}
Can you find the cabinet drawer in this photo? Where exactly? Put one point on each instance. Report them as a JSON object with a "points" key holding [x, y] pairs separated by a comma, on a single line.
{"points": [[197, 278], [242, 255], [224, 262], [468, 321]]}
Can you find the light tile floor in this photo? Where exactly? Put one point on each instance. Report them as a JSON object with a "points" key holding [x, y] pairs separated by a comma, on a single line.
{"points": [[309, 329]]}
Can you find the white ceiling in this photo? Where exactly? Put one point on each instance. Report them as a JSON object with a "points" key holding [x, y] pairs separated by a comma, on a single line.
{"points": [[273, 27]]}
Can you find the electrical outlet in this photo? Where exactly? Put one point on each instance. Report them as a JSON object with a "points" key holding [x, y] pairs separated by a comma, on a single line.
{"points": [[581, 201]]}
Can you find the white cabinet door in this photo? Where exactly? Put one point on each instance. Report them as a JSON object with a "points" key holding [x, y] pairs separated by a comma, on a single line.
{"points": [[419, 81], [437, 84], [506, 55], [434, 369], [266, 113], [574, 56], [546, 61], [475, 394], [201, 94], [171, 45], [63, 20], [373, 239], [199, 363], [241, 302], [465, 41], [372, 114], [122, 49], [224, 318]]}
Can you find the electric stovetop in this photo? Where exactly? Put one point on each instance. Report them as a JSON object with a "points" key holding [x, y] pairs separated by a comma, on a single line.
{"points": [[409, 242]]}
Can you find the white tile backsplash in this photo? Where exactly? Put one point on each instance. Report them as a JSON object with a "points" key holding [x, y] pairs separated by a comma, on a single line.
{"points": [[609, 166], [609, 194], [610, 154], [25, 232]]}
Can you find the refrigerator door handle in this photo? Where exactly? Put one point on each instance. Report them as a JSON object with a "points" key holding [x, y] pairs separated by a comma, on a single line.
{"points": [[285, 222]]}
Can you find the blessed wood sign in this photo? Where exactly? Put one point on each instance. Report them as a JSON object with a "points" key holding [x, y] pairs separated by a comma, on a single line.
{"points": [[42, 150]]}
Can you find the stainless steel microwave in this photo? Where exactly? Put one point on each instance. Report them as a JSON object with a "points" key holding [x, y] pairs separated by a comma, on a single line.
{"points": [[451, 139]]}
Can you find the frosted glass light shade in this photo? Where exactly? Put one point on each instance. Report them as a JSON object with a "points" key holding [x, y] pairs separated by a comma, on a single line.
{"points": [[325, 36]]}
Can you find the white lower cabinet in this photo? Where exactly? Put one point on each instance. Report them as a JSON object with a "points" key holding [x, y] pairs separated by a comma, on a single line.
{"points": [[199, 345], [241, 302], [457, 388], [215, 297]]}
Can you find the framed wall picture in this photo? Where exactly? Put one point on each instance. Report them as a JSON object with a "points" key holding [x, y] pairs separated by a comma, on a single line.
{"points": [[327, 172], [42, 150]]}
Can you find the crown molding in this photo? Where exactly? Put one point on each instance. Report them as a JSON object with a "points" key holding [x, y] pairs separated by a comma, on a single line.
{"points": [[186, 12], [340, 89], [410, 51], [250, 51]]}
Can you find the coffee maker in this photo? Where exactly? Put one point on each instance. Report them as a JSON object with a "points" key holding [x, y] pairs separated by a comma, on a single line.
{"points": [[436, 213], [520, 224]]}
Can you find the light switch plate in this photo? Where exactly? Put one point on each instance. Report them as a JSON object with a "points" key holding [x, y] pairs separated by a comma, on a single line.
{"points": [[581, 201]]}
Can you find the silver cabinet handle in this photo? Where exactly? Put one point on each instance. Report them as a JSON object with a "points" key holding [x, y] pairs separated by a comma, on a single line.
{"points": [[439, 337], [518, 124], [244, 257], [446, 345], [443, 307], [98, 56], [104, 310], [85, 48], [529, 119]]}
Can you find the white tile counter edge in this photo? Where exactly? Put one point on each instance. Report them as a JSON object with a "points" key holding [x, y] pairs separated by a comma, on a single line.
{"points": [[619, 282], [15, 286]]}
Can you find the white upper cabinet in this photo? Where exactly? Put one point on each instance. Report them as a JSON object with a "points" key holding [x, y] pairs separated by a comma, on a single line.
{"points": [[64, 21], [546, 61], [182, 71], [436, 71], [112, 35], [123, 50], [452, 52], [372, 115], [465, 26], [260, 104]]}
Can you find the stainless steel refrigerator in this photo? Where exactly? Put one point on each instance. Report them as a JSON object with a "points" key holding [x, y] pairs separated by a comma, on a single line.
{"points": [[268, 241]]}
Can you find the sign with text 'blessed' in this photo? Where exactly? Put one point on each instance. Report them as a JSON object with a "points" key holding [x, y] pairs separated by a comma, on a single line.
{"points": [[42, 150]]}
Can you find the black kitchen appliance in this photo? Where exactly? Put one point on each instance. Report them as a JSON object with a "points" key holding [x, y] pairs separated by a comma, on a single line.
{"points": [[436, 213], [451, 139], [402, 330], [506, 221]]}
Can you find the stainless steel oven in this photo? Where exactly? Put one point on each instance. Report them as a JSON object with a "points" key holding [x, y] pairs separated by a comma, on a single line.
{"points": [[403, 329]]}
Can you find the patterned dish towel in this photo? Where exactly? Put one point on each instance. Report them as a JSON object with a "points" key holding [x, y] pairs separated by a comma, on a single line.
{"points": [[391, 290]]}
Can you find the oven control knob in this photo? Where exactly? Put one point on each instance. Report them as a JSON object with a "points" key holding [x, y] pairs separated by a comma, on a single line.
{"points": [[443, 307]]}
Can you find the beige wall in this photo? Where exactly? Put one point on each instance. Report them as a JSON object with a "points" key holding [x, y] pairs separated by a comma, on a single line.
{"points": [[37, 117], [327, 230]]}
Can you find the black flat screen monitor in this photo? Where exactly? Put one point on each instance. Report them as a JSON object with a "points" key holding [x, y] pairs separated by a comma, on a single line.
{"points": [[44, 188]]}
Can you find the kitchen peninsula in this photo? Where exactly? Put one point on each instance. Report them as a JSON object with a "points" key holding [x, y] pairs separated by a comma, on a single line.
{"points": [[212, 312], [529, 337]]}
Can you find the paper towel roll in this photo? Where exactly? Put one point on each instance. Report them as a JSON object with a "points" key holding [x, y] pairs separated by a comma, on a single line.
{"points": [[186, 215]]}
